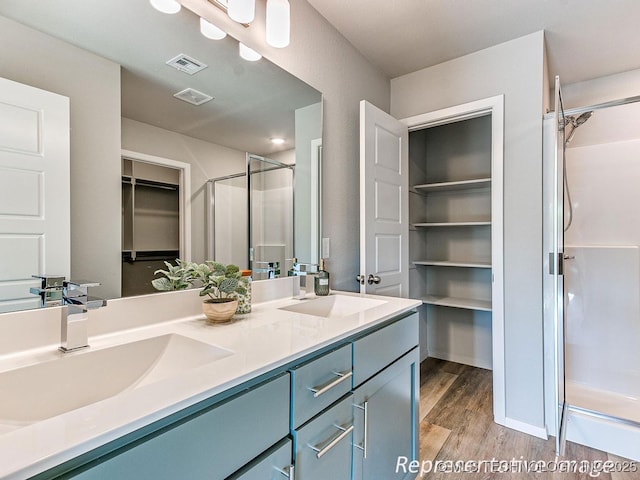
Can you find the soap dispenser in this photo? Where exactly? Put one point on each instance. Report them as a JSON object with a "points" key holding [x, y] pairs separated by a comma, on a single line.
{"points": [[321, 280]]}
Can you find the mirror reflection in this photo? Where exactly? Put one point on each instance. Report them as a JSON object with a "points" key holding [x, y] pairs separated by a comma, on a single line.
{"points": [[142, 159]]}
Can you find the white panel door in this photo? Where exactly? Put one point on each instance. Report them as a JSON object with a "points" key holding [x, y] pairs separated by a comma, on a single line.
{"points": [[384, 184], [34, 190]]}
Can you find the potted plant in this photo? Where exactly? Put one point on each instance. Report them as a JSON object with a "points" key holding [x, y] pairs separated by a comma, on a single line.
{"points": [[222, 284], [176, 277]]}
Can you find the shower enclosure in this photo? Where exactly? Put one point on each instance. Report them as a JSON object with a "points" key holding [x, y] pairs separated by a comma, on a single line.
{"points": [[592, 275], [250, 217]]}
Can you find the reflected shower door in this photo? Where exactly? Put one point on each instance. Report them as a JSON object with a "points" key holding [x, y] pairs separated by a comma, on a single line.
{"points": [[227, 217], [270, 235]]}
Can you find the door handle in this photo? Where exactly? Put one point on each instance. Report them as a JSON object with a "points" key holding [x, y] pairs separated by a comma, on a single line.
{"points": [[373, 279], [365, 408], [360, 279]]}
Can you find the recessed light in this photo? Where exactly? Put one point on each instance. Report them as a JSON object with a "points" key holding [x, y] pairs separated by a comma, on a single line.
{"points": [[277, 141]]}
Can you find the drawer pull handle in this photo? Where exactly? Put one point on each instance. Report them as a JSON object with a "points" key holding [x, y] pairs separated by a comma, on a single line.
{"points": [[341, 377], [365, 409], [322, 450]]}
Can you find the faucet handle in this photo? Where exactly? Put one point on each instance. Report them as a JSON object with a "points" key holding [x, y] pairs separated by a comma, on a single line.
{"points": [[81, 284], [50, 281]]}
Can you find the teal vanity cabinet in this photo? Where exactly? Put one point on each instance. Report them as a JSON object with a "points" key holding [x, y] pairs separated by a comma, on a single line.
{"points": [[211, 444], [386, 367], [344, 412], [322, 416]]}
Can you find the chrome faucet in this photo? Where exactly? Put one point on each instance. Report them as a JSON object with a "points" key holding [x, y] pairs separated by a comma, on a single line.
{"points": [[305, 270], [74, 333], [272, 269], [50, 290]]}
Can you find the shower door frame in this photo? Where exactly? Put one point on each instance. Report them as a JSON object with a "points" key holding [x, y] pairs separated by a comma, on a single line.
{"points": [[555, 266], [275, 165]]}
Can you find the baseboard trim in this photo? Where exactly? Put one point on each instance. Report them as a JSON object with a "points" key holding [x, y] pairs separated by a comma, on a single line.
{"points": [[466, 360], [527, 428]]}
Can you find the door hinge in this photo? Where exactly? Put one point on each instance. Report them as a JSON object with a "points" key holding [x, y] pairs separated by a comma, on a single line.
{"points": [[556, 263]]}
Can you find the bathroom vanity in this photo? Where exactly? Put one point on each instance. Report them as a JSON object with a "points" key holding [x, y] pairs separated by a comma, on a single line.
{"points": [[320, 388]]}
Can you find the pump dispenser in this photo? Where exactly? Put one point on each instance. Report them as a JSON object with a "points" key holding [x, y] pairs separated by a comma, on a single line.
{"points": [[321, 280]]}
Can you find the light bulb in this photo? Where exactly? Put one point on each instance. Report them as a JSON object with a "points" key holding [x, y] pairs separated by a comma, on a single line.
{"points": [[249, 54], [241, 11], [209, 30], [277, 141], [166, 6], [278, 23]]}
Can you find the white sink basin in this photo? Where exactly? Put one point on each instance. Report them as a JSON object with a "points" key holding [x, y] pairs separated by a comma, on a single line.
{"points": [[47, 389], [333, 306]]}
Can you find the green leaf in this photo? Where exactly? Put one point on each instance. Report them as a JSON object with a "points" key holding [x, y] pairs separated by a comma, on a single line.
{"points": [[231, 270], [161, 284], [228, 285]]}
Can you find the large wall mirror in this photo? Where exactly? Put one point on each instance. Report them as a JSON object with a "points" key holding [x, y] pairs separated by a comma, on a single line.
{"points": [[110, 58]]}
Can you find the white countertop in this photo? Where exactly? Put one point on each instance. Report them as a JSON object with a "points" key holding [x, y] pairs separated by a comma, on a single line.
{"points": [[261, 341]]}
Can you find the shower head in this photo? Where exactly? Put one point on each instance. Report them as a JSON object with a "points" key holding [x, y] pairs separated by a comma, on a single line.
{"points": [[575, 122], [582, 118]]}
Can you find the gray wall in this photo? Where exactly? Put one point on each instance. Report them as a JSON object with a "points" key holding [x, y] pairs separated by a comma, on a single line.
{"points": [[308, 127], [207, 160], [93, 85], [323, 58], [514, 69]]}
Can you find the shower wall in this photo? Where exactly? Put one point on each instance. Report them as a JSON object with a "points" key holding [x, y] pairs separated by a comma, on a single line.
{"points": [[272, 217], [602, 280]]}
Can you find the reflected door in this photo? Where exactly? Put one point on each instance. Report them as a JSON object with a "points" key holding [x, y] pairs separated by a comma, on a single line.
{"points": [[34, 173]]}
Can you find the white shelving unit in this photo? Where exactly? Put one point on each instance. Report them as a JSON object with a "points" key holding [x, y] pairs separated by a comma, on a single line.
{"points": [[451, 236], [150, 223]]}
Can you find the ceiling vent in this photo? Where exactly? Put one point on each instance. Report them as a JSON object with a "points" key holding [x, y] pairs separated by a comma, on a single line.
{"points": [[193, 97], [187, 64]]}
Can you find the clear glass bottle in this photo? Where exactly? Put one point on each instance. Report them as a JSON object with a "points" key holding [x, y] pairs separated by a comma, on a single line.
{"points": [[321, 280]]}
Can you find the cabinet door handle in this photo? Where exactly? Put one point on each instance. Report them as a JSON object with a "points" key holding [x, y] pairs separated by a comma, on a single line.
{"points": [[320, 389], [365, 409], [288, 472], [360, 279], [322, 449]]}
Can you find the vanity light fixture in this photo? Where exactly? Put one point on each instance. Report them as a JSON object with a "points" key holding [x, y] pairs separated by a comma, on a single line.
{"points": [[278, 23], [248, 54], [209, 30], [277, 141], [166, 6], [241, 11]]}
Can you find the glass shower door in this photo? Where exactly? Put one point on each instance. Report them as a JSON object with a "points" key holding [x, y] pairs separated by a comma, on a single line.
{"points": [[556, 261]]}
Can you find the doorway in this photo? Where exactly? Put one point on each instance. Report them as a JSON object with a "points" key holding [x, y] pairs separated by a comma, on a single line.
{"points": [[155, 218]]}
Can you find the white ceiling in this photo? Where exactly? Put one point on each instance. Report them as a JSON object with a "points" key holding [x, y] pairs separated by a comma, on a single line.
{"points": [[253, 101], [585, 38]]}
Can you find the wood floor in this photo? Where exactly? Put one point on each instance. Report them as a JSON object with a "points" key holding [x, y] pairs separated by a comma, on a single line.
{"points": [[456, 424]]}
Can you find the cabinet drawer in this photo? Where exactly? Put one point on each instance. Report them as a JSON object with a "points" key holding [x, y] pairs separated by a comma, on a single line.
{"points": [[210, 445], [273, 465], [379, 349], [319, 383], [323, 446]]}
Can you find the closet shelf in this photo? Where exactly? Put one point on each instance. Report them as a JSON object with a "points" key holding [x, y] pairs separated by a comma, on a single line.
{"points": [[450, 224], [456, 185], [452, 263], [466, 303]]}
